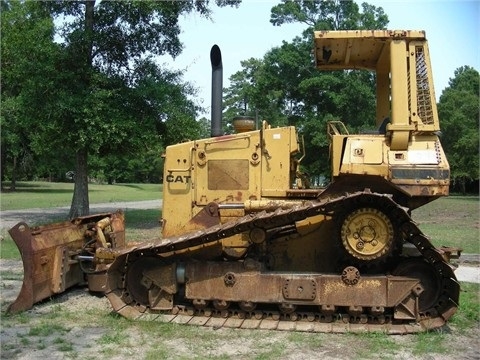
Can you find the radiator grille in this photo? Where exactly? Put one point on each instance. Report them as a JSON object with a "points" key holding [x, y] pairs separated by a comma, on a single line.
{"points": [[424, 100]]}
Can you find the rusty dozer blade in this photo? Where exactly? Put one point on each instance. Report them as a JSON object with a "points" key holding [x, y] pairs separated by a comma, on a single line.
{"points": [[61, 255]]}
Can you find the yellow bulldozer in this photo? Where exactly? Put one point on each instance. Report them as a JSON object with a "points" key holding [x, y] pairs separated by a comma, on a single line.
{"points": [[247, 243]]}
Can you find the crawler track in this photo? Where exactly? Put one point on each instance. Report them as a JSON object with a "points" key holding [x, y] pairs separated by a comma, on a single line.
{"points": [[441, 305]]}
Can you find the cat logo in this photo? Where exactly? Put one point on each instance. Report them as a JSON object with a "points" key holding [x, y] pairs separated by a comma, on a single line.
{"points": [[178, 179]]}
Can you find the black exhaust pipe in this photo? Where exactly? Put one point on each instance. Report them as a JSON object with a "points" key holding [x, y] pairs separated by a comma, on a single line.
{"points": [[217, 88]]}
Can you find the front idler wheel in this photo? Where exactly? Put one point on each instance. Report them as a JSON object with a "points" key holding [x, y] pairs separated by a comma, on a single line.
{"points": [[429, 279], [137, 284]]}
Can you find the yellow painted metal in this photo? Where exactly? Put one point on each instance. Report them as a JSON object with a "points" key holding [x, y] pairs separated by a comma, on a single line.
{"points": [[399, 122], [232, 169], [367, 234], [279, 144], [383, 86], [178, 186], [224, 170], [356, 49]]}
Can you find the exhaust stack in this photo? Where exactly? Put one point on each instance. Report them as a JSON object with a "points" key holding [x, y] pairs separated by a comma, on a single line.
{"points": [[217, 87]]}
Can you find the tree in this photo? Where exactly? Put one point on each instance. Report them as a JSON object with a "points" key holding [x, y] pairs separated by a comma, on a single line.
{"points": [[102, 96], [285, 88], [27, 33], [459, 114], [329, 15]]}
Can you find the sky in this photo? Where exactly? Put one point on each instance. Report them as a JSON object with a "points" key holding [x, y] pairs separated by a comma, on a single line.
{"points": [[452, 28]]}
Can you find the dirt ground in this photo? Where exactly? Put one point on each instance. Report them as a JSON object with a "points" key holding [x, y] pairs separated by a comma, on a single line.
{"points": [[78, 325]]}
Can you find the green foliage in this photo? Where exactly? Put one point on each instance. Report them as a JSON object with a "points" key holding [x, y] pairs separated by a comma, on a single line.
{"points": [[459, 112], [27, 33], [329, 15]]}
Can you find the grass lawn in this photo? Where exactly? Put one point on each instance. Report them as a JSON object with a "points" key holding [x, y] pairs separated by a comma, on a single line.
{"points": [[48, 194], [452, 221]]}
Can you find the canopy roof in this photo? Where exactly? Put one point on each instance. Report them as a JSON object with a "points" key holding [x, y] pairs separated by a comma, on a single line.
{"points": [[356, 49]]}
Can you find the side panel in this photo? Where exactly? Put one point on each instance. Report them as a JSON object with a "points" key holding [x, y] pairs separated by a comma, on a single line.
{"points": [[224, 169], [421, 170], [178, 178], [279, 144], [227, 169], [230, 169], [365, 155]]}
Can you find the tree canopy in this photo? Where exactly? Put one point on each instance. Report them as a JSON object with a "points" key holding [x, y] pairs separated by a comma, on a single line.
{"points": [[459, 114]]}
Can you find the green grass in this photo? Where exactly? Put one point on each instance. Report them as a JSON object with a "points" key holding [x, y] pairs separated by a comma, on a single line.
{"points": [[432, 342], [116, 337], [63, 345], [452, 221], [49, 194], [9, 275], [8, 250], [468, 315], [142, 225], [373, 345], [47, 328]]}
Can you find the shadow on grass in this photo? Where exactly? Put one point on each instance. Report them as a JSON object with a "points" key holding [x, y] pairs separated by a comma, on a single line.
{"points": [[142, 187], [142, 219], [43, 191], [133, 186], [34, 218], [19, 185], [38, 188], [474, 198]]}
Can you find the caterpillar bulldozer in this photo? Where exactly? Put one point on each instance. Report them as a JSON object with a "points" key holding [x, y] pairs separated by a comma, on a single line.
{"points": [[247, 243]]}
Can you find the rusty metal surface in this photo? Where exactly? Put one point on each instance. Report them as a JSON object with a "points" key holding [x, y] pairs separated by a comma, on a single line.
{"points": [[50, 255], [416, 304], [208, 281]]}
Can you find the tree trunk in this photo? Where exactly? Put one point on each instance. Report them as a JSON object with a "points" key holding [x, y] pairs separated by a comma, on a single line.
{"points": [[13, 184], [80, 203], [463, 187], [3, 160], [89, 20]]}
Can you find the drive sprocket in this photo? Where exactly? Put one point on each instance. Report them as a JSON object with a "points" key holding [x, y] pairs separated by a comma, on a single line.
{"points": [[367, 234]]}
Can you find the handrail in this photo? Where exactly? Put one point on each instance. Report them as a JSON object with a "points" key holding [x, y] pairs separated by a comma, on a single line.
{"points": [[226, 138], [332, 128]]}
